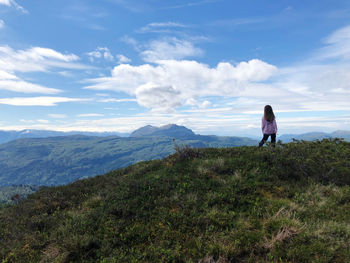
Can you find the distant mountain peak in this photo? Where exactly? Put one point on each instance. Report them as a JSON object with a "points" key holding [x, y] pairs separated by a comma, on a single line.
{"points": [[169, 130]]}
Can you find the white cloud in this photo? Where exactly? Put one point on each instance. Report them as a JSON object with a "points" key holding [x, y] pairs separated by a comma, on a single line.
{"points": [[131, 41], [122, 59], [94, 54], [14, 4], [5, 2], [42, 121], [165, 27], [171, 83], [38, 101], [25, 87], [90, 115], [66, 74], [169, 48], [2, 23], [10, 82], [26, 121], [58, 116], [337, 45], [40, 54], [151, 95], [36, 59], [5, 75], [118, 100], [100, 53], [201, 105]]}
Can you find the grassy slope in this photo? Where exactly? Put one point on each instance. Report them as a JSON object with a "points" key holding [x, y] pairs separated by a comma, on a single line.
{"points": [[288, 204]]}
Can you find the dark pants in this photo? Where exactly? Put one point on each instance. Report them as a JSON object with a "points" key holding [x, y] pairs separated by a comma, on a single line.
{"points": [[266, 136]]}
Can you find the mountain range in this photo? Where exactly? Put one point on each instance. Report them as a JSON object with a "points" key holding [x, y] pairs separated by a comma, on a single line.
{"points": [[64, 159], [312, 136], [6, 136], [169, 130], [57, 160]]}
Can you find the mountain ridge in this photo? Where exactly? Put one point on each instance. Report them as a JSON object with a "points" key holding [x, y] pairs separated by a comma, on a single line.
{"points": [[165, 130]]}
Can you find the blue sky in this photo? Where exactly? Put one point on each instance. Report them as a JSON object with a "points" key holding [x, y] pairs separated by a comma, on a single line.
{"points": [[211, 65]]}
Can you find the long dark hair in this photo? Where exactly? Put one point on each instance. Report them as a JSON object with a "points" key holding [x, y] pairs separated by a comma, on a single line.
{"points": [[268, 113]]}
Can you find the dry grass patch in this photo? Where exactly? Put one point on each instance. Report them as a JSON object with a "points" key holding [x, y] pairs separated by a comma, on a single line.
{"points": [[53, 254], [283, 234]]}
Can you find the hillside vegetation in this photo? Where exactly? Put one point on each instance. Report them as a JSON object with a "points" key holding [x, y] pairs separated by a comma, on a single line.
{"points": [[244, 204], [10, 194]]}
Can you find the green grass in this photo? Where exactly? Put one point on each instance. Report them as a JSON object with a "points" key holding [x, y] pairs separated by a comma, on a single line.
{"points": [[246, 204]]}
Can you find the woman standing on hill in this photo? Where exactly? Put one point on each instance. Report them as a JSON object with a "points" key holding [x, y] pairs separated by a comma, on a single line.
{"points": [[268, 126]]}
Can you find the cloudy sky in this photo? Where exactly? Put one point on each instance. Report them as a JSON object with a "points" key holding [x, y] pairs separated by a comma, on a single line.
{"points": [[211, 65]]}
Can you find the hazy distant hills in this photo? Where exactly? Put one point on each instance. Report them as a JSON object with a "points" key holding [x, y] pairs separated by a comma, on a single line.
{"points": [[63, 159], [6, 136], [311, 136], [60, 160], [170, 130], [56, 160]]}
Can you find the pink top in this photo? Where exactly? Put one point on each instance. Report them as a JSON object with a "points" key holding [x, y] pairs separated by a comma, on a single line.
{"points": [[268, 127]]}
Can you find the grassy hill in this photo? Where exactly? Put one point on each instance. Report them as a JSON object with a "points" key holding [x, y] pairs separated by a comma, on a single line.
{"points": [[244, 204], [61, 160]]}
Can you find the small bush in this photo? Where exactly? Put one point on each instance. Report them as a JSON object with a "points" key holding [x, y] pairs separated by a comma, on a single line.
{"points": [[185, 152]]}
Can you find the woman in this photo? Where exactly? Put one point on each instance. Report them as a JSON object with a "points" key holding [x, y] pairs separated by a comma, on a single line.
{"points": [[268, 126]]}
